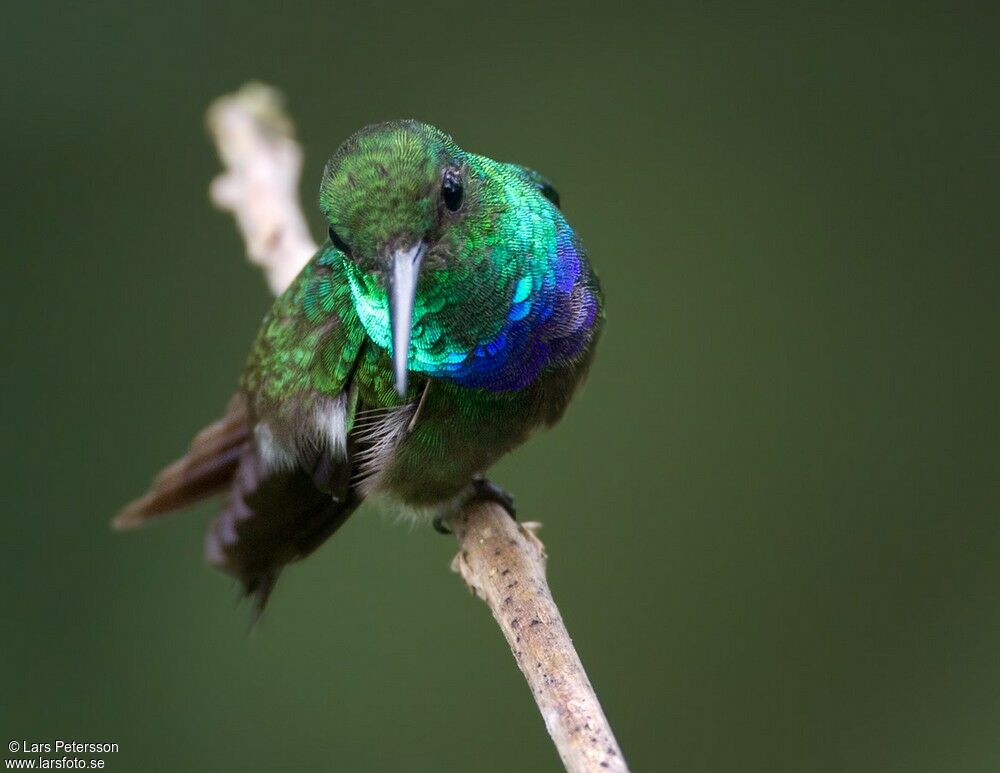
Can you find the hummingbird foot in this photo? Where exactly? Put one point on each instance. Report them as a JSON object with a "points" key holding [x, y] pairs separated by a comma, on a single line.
{"points": [[484, 489]]}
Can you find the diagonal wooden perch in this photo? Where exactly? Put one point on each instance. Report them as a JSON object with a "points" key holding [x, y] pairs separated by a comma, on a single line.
{"points": [[501, 561]]}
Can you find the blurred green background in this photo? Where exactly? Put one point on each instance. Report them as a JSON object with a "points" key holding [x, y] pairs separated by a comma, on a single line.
{"points": [[772, 514]]}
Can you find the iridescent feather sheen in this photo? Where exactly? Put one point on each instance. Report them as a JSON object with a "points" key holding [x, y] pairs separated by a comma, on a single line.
{"points": [[505, 315]]}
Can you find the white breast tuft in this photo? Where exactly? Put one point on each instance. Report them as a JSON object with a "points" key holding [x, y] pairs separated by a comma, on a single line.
{"points": [[273, 455], [330, 425]]}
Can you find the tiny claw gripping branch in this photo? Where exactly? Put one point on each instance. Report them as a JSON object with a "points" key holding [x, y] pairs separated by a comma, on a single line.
{"points": [[501, 561]]}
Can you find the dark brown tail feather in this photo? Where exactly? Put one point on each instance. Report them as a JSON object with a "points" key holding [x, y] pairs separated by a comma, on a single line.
{"points": [[270, 518], [205, 470], [274, 518]]}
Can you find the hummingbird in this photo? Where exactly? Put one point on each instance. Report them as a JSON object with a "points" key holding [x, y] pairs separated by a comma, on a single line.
{"points": [[450, 313]]}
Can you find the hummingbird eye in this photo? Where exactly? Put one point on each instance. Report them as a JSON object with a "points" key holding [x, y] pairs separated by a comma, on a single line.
{"points": [[339, 243], [451, 190]]}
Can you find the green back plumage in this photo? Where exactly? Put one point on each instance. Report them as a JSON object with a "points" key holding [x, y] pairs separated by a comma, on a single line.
{"points": [[502, 312]]}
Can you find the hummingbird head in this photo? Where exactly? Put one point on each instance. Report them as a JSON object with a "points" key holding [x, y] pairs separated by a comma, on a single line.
{"points": [[392, 195]]}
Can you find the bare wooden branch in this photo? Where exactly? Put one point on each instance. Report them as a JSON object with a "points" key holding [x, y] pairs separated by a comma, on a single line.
{"points": [[256, 142], [501, 561]]}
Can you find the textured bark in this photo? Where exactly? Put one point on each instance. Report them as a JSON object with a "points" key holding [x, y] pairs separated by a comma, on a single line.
{"points": [[501, 561]]}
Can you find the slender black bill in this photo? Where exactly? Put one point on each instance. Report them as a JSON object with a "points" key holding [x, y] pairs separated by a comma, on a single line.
{"points": [[404, 271]]}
